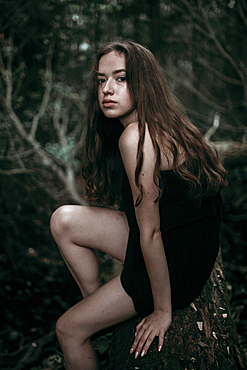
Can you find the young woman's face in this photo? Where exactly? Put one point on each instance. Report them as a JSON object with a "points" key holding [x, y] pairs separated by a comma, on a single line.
{"points": [[113, 93]]}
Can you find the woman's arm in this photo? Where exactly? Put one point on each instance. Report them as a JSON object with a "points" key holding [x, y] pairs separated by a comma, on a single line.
{"points": [[148, 219]]}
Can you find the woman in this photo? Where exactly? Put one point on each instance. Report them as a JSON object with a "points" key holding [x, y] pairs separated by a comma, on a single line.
{"points": [[141, 152]]}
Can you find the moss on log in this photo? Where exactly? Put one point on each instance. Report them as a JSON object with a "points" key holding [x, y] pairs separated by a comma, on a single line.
{"points": [[202, 336]]}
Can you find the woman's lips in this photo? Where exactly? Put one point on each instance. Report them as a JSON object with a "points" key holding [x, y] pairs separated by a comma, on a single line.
{"points": [[107, 103]]}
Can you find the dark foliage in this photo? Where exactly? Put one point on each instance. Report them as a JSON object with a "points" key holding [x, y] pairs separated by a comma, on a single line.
{"points": [[36, 287]]}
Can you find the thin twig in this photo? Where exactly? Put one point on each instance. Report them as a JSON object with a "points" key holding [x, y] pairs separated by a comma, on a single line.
{"points": [[217, 73], [214, 128], [46, 96], [187, 83], [43, 339], [221, 49]]}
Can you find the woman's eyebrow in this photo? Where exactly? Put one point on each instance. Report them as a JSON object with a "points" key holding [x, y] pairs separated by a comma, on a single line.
{"points": [[114, 72]]}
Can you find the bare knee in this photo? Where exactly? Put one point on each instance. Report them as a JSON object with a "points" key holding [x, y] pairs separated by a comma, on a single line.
{"points": [[62, 328], [68, 331], [64, 332], [60, 221]]}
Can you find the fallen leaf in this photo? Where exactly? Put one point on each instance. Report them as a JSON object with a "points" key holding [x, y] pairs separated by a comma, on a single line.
{"points": [[193, 306], [214, 335], [200, 325]]}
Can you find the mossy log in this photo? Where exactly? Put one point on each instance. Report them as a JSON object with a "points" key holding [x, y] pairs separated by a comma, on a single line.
{"points": [[202, 336]]}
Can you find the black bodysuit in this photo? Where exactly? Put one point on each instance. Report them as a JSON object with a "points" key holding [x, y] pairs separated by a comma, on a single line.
{"points": [[191, 242]]}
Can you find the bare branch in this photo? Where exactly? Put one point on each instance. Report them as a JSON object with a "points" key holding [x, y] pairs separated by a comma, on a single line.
{"points": [[223, 126], [2, 67], [78, 145], [8, 74], [17, 157], [220, 75], [52, 192], [187, 83], [17, 180], [61, 133], [189, 18], [16, 171], [196, 115], [214, 128], [62, 127], [193, 13], [210, 34], [26, 346], [30, 352], [67, 177], [226, 127], [61, 130], [186, 3], [229, 100], [25, 154], [65, 120], [46, 96], [204, 89], [223, 52], [230, 149]]}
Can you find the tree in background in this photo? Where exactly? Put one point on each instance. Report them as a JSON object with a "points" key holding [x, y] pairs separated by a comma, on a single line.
{"points": [[211, 63], [42, 105], [46, 49]]}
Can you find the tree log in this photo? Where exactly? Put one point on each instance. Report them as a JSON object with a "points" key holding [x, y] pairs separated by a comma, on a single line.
{"points": [[202, 336]]}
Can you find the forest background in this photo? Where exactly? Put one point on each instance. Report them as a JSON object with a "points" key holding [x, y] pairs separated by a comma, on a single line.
{"points": [[46, 50]]}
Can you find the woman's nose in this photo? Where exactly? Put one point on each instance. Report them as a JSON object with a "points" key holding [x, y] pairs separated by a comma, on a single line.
{"points": [[108, 87]]}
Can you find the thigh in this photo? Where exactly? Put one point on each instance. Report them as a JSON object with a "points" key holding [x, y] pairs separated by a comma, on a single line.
{"points": [[93, 227], [107, 306]]}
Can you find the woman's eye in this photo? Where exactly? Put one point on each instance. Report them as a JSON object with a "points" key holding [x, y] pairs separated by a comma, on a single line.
{"points": [[121, 79], [101, 81]]}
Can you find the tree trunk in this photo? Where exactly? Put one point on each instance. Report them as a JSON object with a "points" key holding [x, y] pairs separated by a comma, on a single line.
{"points": [[202, 336]]}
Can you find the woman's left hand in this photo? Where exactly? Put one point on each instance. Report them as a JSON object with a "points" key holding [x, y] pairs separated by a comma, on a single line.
{"points": [[154, 325]]}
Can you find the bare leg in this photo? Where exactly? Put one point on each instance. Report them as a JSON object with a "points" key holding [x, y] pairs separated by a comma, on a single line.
{"points": [[107, 306], [77, 230]]}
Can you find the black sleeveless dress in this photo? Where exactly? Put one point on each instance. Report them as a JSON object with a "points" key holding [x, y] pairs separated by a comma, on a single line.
{"points": [[191, 242]]}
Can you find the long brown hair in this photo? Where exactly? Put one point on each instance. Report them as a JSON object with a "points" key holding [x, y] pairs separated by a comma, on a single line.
{"points": [[167, 122]]}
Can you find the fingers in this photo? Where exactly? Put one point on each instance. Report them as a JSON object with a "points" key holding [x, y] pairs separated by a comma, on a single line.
{"points": [[144, 348], [154, 325], [161, 342], [142, 343], [139, 326], [144, 339], [138, 333]]}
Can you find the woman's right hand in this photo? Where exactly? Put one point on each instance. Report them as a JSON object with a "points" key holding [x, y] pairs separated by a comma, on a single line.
{"points": [[154, 325]]}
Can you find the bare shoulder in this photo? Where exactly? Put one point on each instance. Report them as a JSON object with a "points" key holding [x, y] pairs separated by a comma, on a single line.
{"points": [[128, 144], [130, 137]]}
